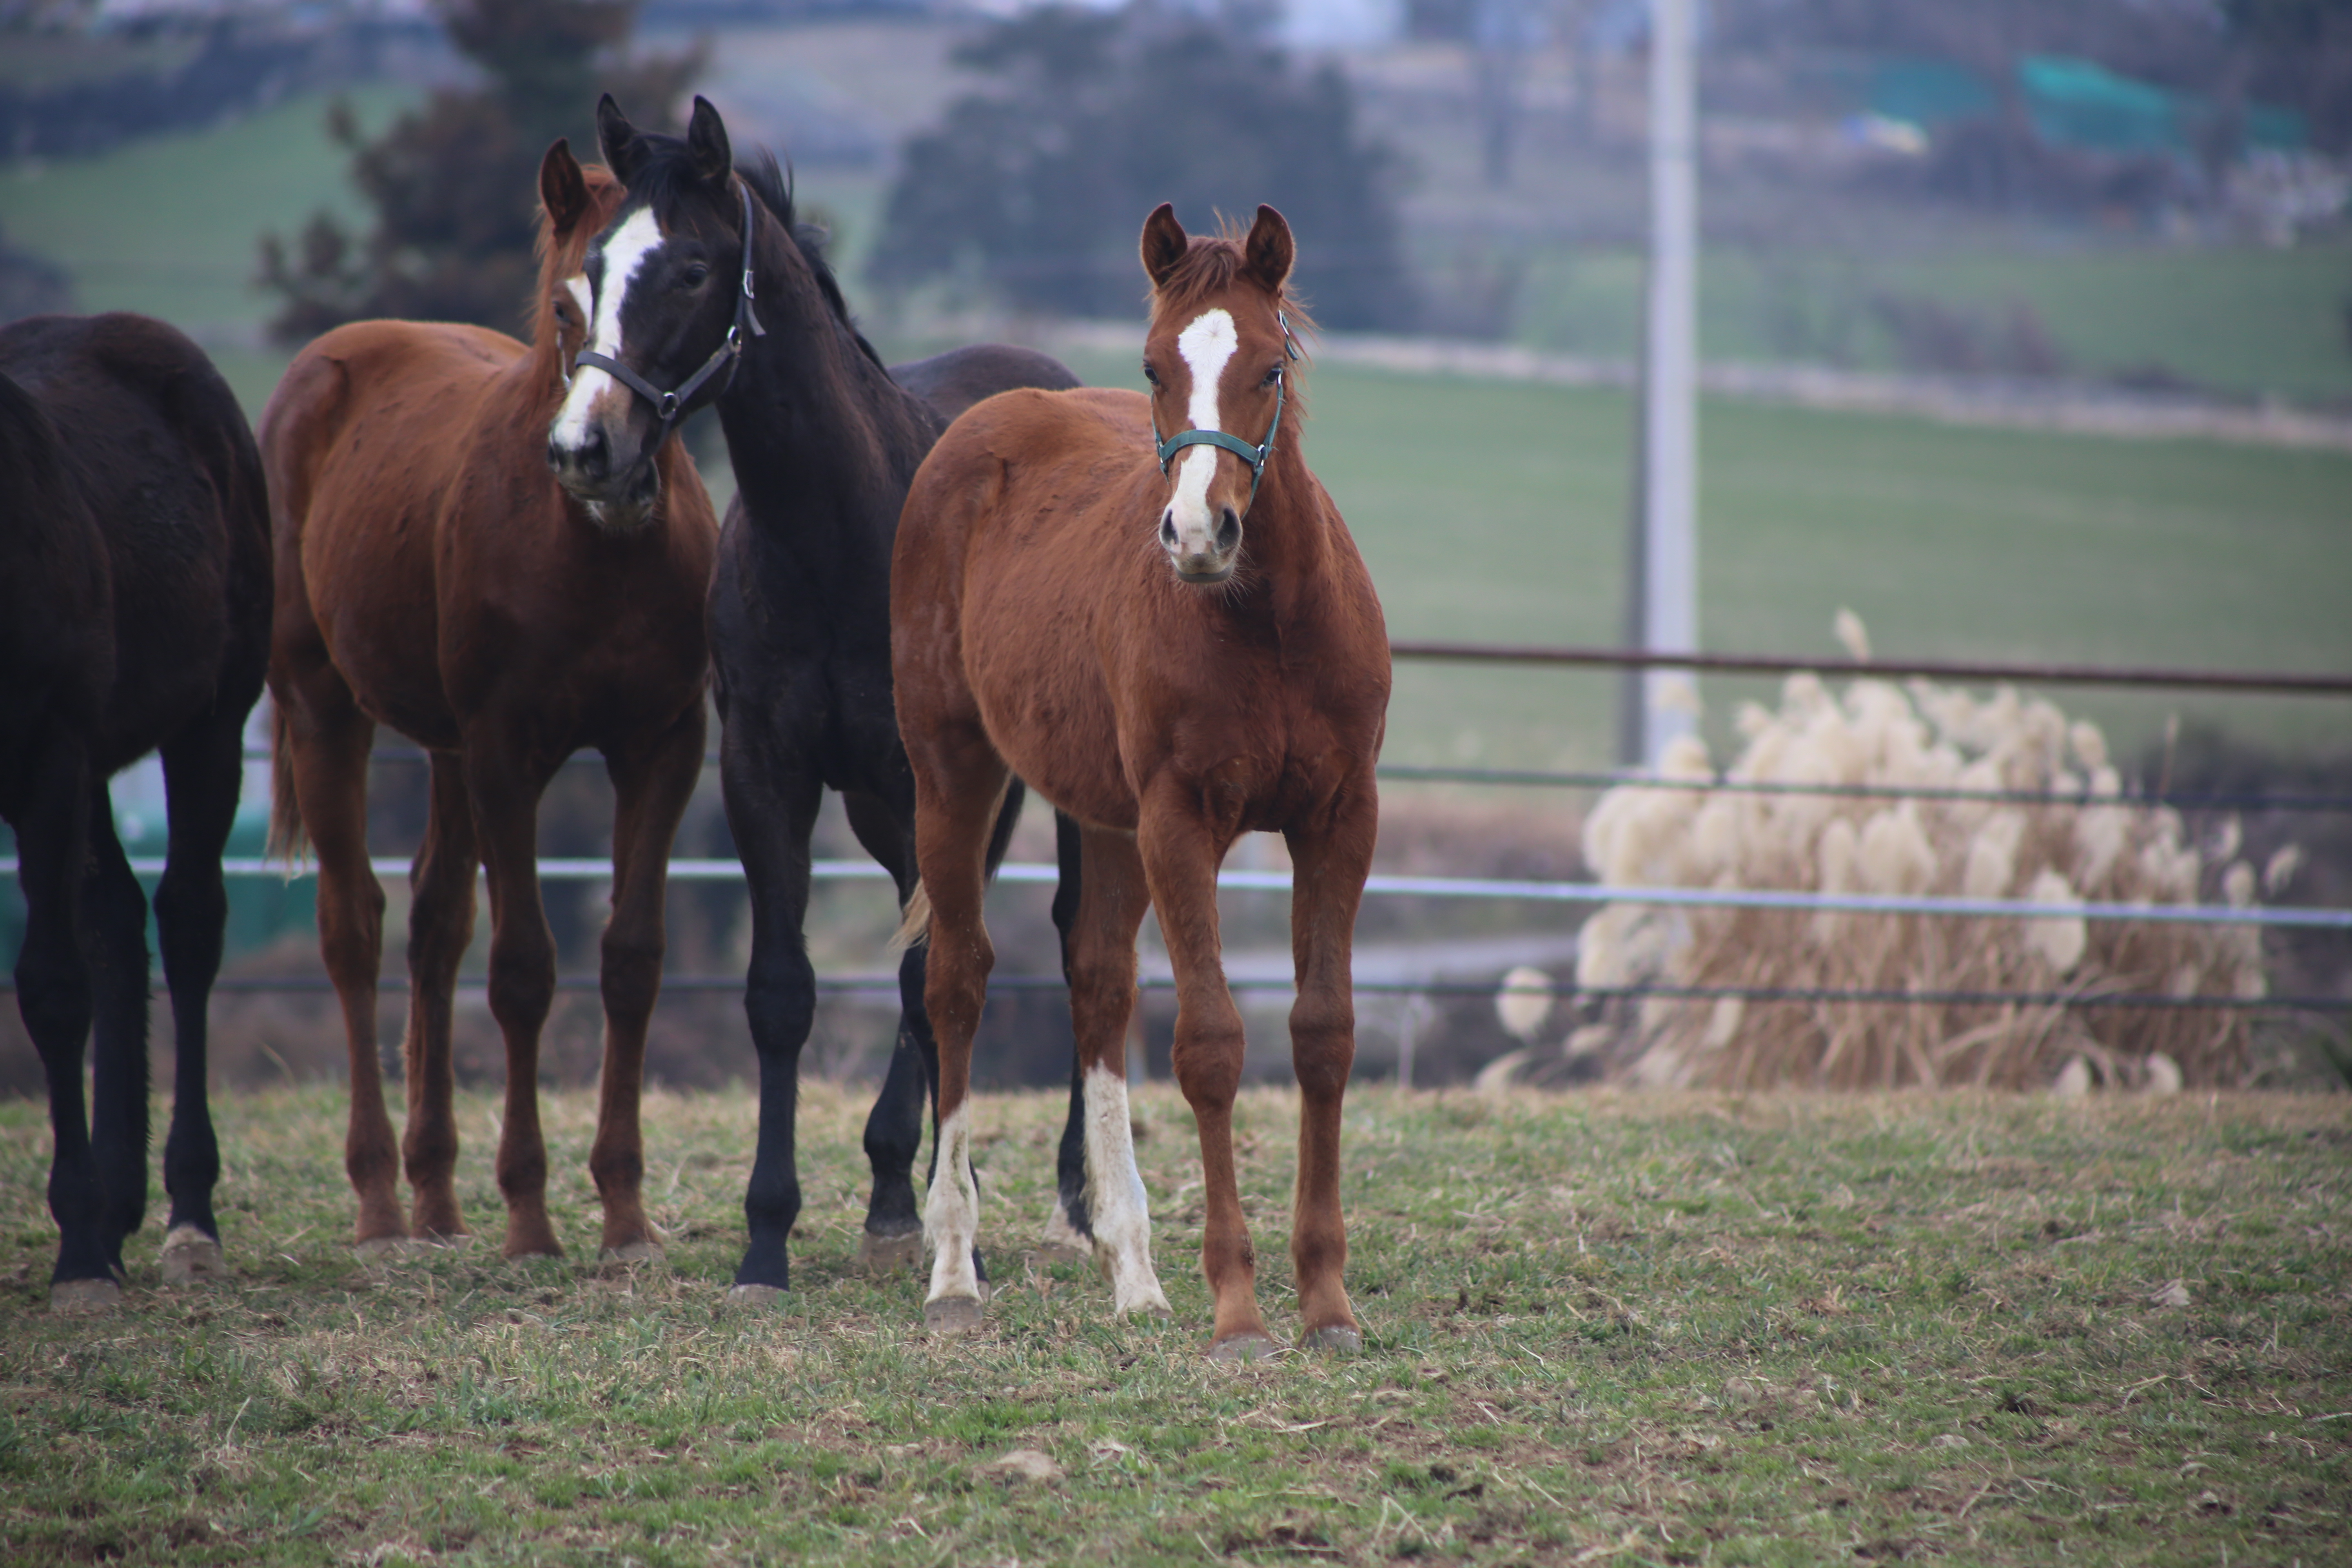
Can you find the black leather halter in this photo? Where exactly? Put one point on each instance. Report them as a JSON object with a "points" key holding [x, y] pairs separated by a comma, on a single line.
{"points": [[671, 406]]}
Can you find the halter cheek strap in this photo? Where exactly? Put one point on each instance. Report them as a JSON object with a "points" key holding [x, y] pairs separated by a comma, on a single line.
{"points": [[671, 406], [1254, 456]]}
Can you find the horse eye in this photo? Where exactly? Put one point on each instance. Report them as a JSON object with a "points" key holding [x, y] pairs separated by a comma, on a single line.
{"points": [[694, 275], [1272, 376], [1150, 374]]}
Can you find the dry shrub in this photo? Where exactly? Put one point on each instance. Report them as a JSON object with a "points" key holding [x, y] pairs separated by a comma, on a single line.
{"points": [[2102, 850]]}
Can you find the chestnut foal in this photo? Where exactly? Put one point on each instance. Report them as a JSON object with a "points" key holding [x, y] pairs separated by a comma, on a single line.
{"points": [[1074, 602], [435, 576]]}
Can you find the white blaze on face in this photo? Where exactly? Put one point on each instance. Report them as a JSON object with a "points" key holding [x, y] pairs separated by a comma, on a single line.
{"points": [[578, 288], [625, 255], [951, 1211], [1115, 1196], [1207, 345]]}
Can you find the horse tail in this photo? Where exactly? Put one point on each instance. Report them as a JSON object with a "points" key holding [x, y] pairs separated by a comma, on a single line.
{"points": [[914, 923], [915, 920], [287, 837]]}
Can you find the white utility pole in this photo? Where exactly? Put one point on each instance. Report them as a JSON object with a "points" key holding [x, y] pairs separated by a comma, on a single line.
{"points": [[1665, 576]]}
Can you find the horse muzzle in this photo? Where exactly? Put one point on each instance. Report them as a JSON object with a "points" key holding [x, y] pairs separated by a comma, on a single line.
{"points": [[1201, 556], [616, 494]]}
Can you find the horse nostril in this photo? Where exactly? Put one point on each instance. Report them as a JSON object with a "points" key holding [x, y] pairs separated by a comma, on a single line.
{"points": [[596, 454], [1168, 528], [555, 457], [1229, 531]]}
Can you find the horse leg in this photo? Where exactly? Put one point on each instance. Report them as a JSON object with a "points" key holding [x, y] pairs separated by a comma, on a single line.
{"points": [[894, 1128], [1112, 898], [53, 997], [1069, 1232], [651, 785], [1181, 852], [440, 928], [1329, 865], [505, 789], [771, 802], [201, 771], [330, 737], [959, 786], [114, 921]]}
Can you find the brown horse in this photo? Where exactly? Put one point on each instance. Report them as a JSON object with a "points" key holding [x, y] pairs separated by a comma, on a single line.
{"points": [[1074, 605], [434, 576]]}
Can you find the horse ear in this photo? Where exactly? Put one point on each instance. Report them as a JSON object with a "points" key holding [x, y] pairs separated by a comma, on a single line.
{"points": [[623, 150], [706, 139], [563, 189], [1164, 243], [1270, 250]]}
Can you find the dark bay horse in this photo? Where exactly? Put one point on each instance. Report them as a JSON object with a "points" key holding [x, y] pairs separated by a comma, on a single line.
{"points": [[1175, 642], [435, 576], [706, 268], [134, 618]]}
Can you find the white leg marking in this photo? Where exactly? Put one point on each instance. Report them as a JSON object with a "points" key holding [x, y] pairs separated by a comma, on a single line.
{"points": [[1115, 1196], [625, 255], [951, 1211], [1207, 345]]}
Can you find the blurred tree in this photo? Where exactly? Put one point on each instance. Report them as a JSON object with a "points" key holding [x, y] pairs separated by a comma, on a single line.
{"points": [[1036, 188], [2299, 53], [455, 183]]}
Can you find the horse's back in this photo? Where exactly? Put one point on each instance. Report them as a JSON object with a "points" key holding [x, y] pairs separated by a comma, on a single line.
{"points": [[165, 468], [954, 380]]}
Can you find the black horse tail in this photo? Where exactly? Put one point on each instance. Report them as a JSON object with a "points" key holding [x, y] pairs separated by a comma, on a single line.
{"points": [[915, 919]]}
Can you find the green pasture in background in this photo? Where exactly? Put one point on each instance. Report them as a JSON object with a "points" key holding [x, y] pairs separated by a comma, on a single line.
{"points": [[1640, 1329], [1495, 511], [2241, 319]]}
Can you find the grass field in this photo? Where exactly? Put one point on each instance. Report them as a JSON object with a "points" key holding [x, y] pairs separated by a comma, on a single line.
{"points": [[1598, 1329]]}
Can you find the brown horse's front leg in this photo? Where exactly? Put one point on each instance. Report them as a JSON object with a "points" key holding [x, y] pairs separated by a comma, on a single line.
{"points": [[326, 740], [651, 787], [1181, 851], [440, 927], [1112, 898], [1329, 865], [505, 792], [959, 783]]}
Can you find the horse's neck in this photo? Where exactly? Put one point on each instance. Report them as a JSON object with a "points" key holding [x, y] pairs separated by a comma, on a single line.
{"points": [[1287, 537], [821, 438]]}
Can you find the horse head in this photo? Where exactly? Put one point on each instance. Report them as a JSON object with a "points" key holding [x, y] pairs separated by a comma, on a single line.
{"points": [[667, 276], [1217, 356]]}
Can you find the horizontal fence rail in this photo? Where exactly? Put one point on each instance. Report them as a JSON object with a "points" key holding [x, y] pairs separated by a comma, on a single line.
{"points": [[886, 986], [2280, 683], [553, 869]]}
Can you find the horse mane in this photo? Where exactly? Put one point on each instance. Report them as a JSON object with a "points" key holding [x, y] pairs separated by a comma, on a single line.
{"points": [[773, 185]]}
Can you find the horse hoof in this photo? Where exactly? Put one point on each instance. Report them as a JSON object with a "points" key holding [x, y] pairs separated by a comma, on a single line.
{"points": [[629, 1258], [755, 1296], [889, 1254], [191, 1258], [85, 1296], [1339, 1339], [384, 1247], [951, 1315], [1244, 1347]]}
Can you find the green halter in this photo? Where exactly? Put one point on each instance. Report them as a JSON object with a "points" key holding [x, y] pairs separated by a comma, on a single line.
{"points": [[1254, 456]]}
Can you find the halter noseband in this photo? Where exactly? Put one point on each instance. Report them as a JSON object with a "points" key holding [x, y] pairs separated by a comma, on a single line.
{"points": [[1254, 456], [669, 405]]}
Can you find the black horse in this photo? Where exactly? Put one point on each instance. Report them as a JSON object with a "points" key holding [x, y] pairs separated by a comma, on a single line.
{"points": [[690, 308], [134, 618]]}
